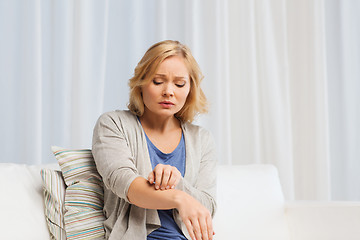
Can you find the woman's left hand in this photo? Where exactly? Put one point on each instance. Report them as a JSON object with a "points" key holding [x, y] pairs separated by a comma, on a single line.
{"points": [[164, 177]]}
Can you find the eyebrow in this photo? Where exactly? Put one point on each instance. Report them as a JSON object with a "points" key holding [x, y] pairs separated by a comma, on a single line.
{"points": [[177, 77]]}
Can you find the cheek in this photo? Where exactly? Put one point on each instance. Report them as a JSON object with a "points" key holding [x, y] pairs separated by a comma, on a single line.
{"points": [[148, 92], [187, 93], [146, 96]]}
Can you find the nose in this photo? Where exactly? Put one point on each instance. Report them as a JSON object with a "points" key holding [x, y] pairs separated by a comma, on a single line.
{"points": [[168, 90]]}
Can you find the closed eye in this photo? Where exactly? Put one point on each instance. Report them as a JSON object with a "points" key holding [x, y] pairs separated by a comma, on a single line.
{"points": [[180, 85], [157, 82]]}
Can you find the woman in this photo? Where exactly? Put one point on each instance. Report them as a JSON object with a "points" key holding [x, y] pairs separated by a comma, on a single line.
{"points": [[158, 168]]}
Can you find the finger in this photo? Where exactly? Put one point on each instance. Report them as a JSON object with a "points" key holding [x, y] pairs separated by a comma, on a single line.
{"points": [[197, 229], [210, 229], [165, 177], [171, 181], [176, 182], [190, 229], [174, 179], [204, 229], [151, 177], [158, 176]]}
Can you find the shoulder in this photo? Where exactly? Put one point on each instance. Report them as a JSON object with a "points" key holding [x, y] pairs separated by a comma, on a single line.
{"points": [[198, 134], [118, 116], [119, 121], [194, 129]]}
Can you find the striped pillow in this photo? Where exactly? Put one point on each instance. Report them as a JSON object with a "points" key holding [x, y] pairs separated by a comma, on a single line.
{"points": [[54, 196], [84, 196]]}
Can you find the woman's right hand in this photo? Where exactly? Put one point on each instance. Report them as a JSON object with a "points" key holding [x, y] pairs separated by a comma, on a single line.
{"points": [[164, 177], [196, 218]]}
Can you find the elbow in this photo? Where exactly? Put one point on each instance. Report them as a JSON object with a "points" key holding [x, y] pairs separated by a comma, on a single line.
{"points": [[119, 181], [132, 193]]}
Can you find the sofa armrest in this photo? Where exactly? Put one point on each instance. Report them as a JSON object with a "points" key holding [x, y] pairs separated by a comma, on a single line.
{"points": [[323, 220]]}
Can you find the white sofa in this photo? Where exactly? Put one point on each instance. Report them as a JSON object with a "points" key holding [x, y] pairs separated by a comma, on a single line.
{"points": [[250, 207]]}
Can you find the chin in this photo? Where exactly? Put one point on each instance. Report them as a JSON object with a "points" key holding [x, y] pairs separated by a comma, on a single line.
{"points": [[166, 113]]}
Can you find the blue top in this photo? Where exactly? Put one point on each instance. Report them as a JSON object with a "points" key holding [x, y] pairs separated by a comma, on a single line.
{"points": [[169, 229]]}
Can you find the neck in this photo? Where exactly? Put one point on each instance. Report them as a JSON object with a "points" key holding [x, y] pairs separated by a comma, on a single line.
{"points": [[158, 123]]}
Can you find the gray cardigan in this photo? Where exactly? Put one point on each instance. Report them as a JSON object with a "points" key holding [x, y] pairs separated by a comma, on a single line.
{"points": [[121, 154]]}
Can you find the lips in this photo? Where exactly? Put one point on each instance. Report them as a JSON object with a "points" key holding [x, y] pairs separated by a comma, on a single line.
{"points": [[166, 104]]}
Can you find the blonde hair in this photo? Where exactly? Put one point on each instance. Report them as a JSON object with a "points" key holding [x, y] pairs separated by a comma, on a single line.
{"points": [[196, 102]]}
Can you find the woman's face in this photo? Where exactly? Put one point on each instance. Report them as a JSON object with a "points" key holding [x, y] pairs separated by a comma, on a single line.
{"points": [[166, 93]]}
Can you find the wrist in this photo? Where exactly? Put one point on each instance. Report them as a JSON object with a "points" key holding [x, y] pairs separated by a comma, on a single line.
{"points": [[180, 198]]}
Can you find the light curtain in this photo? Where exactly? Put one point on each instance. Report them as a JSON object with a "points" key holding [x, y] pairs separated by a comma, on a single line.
{"points": [[343, 78], [281, 76]]}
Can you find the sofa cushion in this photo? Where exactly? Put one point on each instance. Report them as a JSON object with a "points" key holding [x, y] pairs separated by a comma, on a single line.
{"points": [[21, 202], [84, 195], [54, 197], [250, 203]]}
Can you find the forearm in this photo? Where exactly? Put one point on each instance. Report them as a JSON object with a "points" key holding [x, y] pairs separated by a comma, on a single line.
{"points": [[144, 195], [194, 215]]}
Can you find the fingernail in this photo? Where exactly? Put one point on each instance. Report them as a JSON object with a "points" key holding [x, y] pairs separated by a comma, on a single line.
{"points": [[172, 187], [156, 187], [162, 188], [167, 187]]}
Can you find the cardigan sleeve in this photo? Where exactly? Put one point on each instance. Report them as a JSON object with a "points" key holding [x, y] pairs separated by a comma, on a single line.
{"points": [[112, 155], [204, 188]]}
